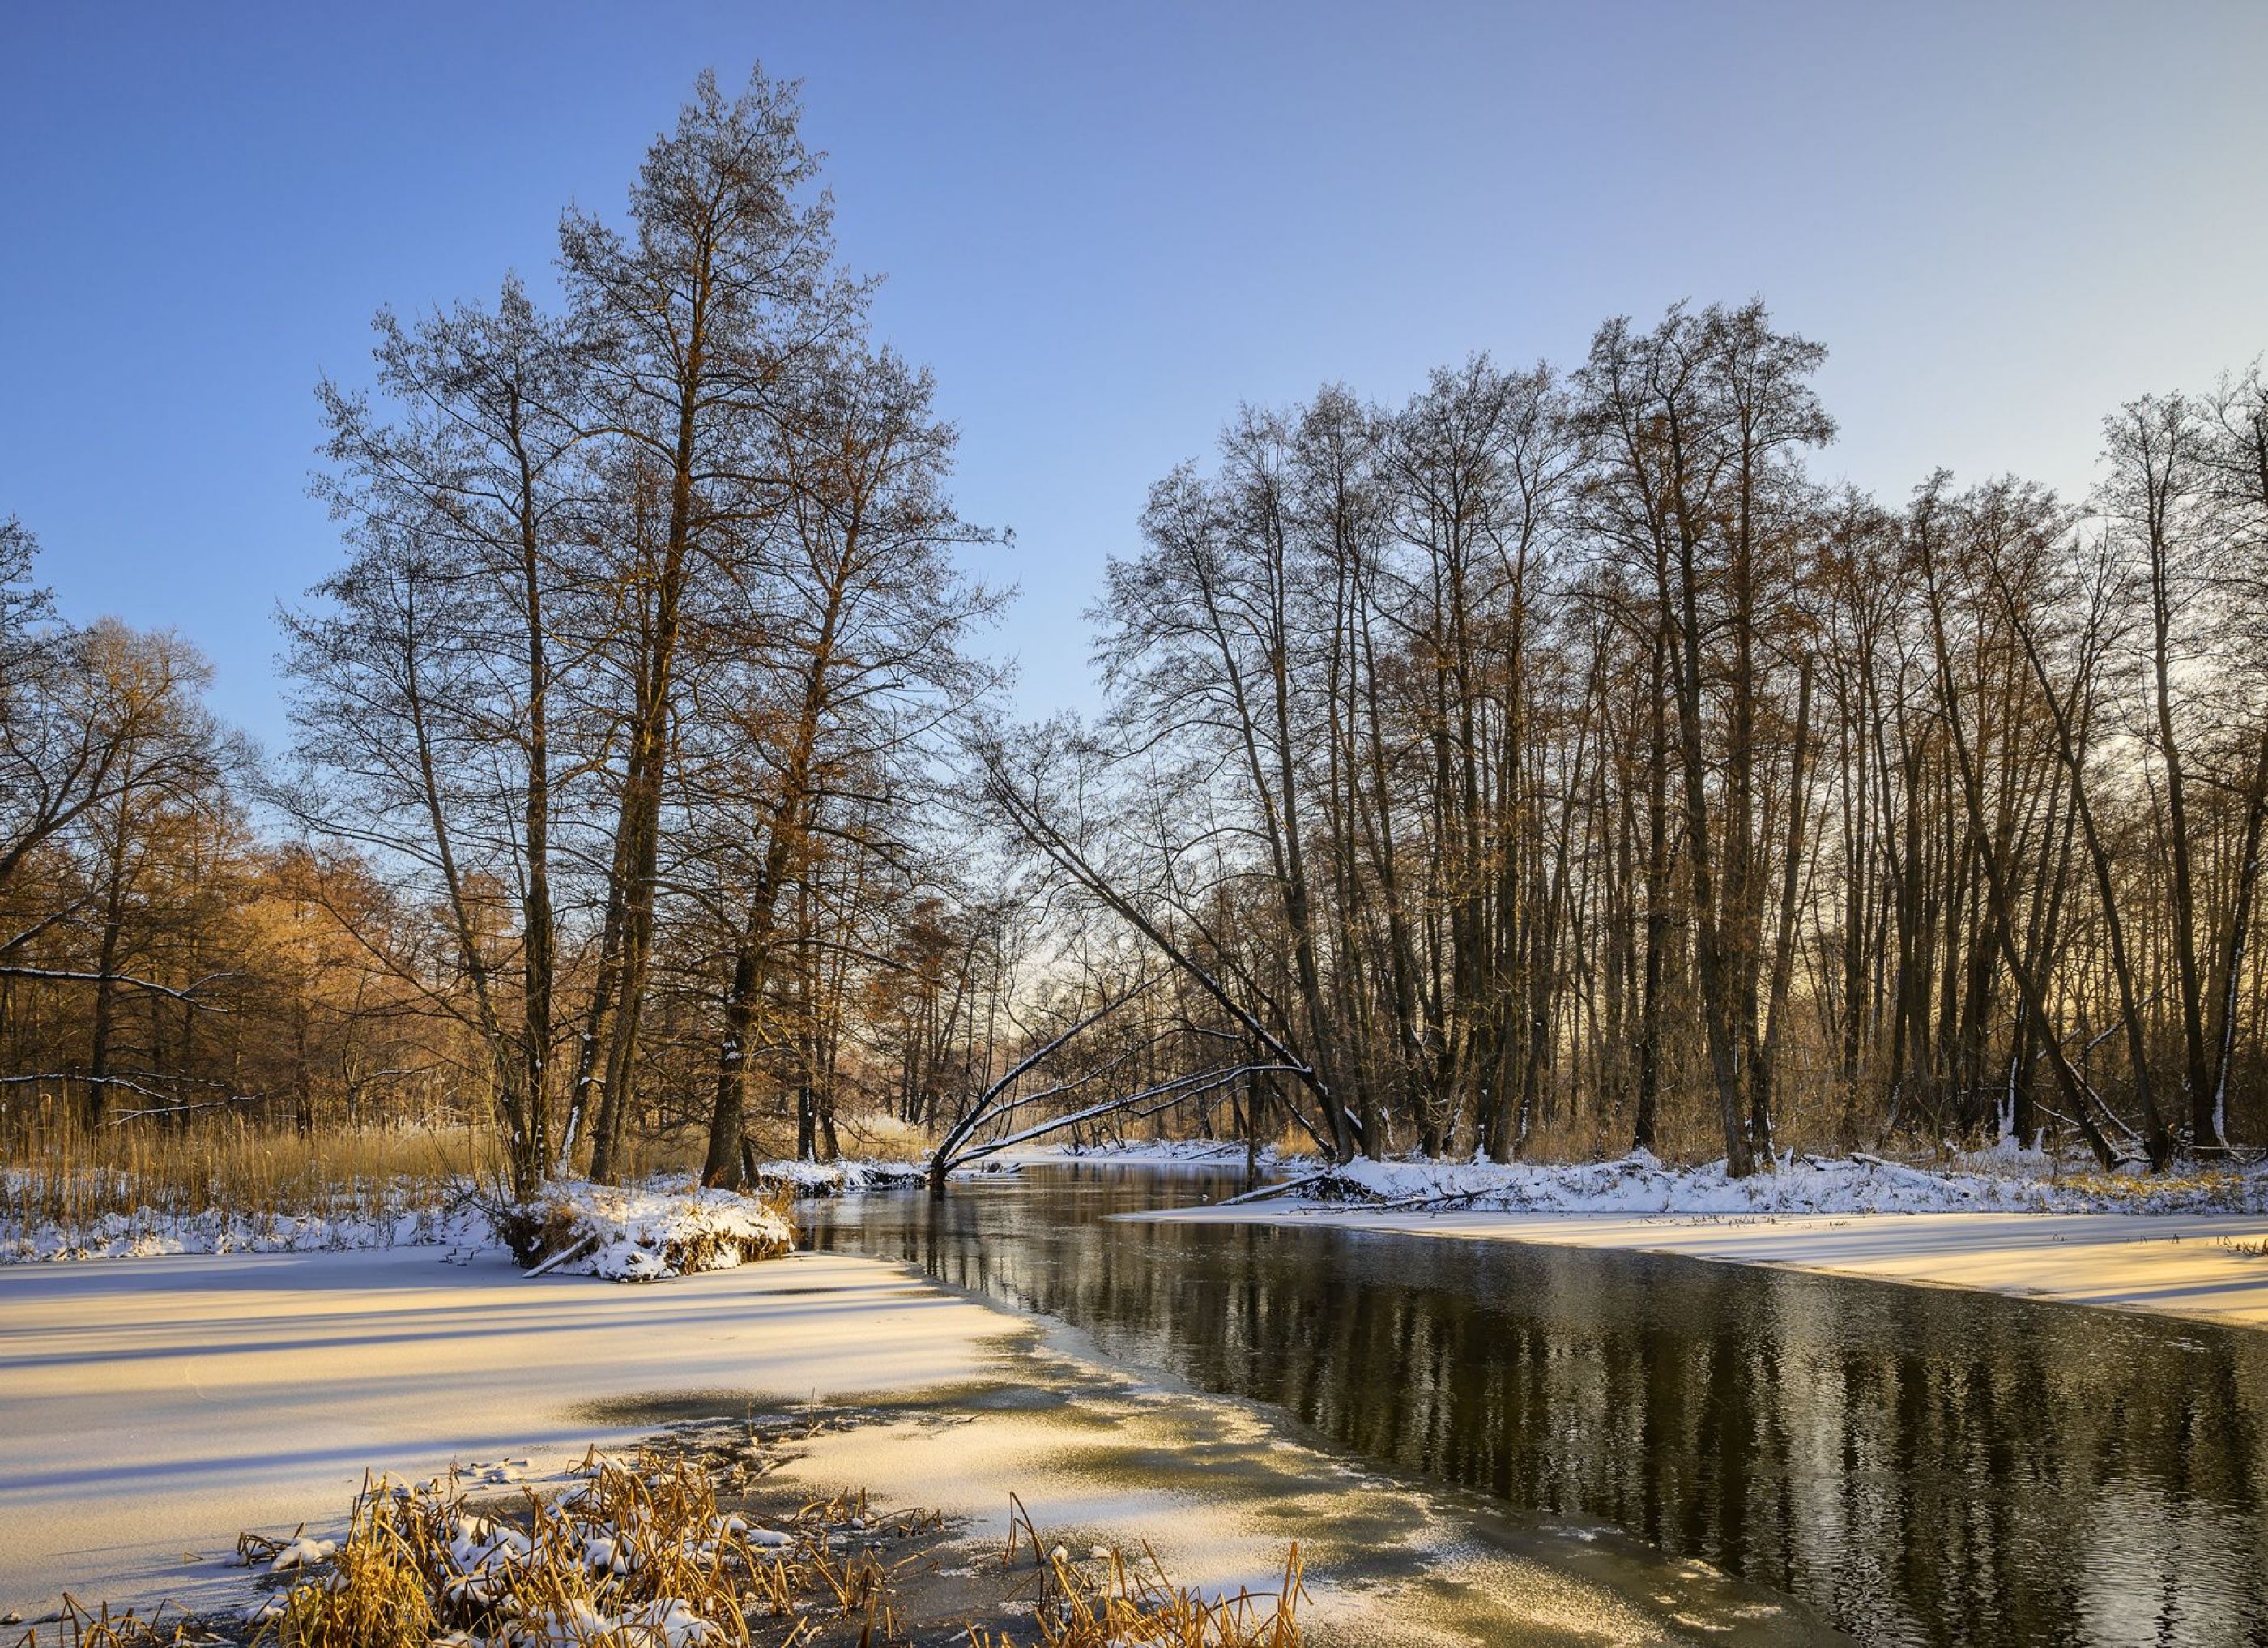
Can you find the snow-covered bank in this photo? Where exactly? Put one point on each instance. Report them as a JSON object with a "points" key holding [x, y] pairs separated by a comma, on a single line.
{"points": [[841, 1179], [145, 1233], [160, 1407], [2009, 1181], [452, 1216]]}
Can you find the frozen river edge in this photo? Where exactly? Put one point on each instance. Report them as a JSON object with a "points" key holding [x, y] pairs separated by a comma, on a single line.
{"points": [[2206, 1267], [159, 1407]]}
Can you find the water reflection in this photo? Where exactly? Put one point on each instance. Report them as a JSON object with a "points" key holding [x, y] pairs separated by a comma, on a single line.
{"points": [[1921, 1465]]}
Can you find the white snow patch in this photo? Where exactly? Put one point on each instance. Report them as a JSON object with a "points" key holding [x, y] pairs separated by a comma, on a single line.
{"points": [[1638, 1183], [302, 1553], [627, 1235], [407, 1217]]}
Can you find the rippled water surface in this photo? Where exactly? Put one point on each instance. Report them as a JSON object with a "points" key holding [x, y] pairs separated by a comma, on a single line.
{"points": [[1922, 1466]]}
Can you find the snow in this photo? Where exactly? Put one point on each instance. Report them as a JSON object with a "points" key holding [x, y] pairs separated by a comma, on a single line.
{"points": [[2003, 1182], [302, 1553], [156, 1407], [644, 1235], [415, 1218], [2193, 1246], [159, 1407], [146, 1234], [667, 1622]]}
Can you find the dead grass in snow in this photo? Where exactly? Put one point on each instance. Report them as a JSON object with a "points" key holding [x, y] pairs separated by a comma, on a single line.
{"points": [[57, 1172], [643, 1555]]}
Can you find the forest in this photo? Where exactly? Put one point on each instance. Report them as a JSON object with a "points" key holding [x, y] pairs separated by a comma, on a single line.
{"points": [[1552, 764]]}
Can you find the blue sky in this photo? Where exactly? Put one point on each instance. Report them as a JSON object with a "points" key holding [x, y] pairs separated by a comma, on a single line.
{"points": [[1103, 227]]}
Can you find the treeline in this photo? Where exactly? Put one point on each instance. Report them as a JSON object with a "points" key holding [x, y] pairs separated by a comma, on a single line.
{"points": [[615, 787], [1556, 757], [1555, 762], [141, 930]]}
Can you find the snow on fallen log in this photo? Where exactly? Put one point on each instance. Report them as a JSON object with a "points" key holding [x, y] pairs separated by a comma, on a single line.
{"points": [[1310, 1184], [626, 1235]]}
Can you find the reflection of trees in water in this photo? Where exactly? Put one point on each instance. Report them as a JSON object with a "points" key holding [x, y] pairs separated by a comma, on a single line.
{"points": [[1923, 1466]]}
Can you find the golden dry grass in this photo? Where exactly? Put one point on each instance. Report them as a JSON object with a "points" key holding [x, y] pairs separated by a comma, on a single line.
{"points": [[76, 1626], [57, 1173], [882, 1137], [876, 1136], [1109, 1601], [417, 1562], [644, 1555], [641, 1556]]}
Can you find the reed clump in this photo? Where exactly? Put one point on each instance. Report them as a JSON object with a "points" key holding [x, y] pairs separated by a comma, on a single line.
{"points": [[76, 1626], [642, 1554], [1109, 1600]]}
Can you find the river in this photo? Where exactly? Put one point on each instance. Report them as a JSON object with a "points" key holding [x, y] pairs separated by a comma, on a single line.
{"points": [[1918, 1466]]}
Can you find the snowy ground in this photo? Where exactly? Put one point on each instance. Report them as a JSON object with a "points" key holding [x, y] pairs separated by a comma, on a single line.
{"points": [[2006, 1182], [2193, 1246], [159, 1407], [450, 1218], [145, 1234]]}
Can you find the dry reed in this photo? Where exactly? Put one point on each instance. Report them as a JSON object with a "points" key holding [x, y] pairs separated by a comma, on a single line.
{"points": [[76, 1626], [640, 1556], [1108, 1601], [79, 1184], [643, 1556]]}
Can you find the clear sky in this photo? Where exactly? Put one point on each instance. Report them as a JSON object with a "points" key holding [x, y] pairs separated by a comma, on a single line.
{"points": [[1105, 225]]}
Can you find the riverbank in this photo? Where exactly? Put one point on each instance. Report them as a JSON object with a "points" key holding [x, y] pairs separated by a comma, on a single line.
{"points": [[2003, 1179], [2210, 1267], [100, 1215], [160, 1407]]}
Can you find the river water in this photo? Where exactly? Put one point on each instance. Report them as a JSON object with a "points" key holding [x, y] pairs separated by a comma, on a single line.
{"points": [[1919, 1465]]}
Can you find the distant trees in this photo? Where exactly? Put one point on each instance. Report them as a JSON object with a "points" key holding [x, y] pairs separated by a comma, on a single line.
{"points": [[129, 971], [1555, 763]]}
